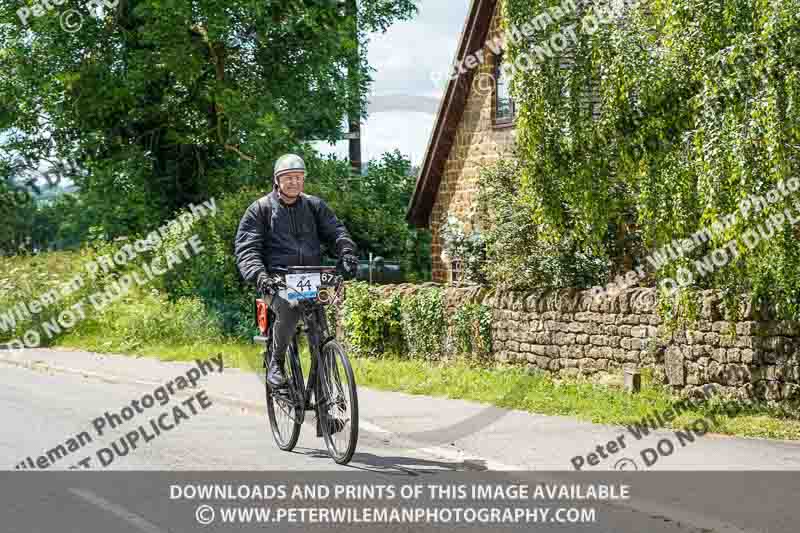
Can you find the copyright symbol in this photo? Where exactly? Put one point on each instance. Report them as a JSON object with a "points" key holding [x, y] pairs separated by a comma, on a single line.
{"points": [[625, 464], [204, 515], [483, 83], [68, 22]]}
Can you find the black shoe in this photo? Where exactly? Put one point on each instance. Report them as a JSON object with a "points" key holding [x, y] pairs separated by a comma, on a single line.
{"points": [[276, 377]]}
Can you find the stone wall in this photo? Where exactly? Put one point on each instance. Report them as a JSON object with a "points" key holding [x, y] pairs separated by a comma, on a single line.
{"points": [[568, 333], [478, 142]]}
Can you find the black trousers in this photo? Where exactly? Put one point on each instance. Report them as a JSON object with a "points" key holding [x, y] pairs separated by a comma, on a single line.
{"points": [[286, 319]]}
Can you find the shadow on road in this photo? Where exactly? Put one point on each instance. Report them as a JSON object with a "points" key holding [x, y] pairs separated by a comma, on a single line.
{"points": [[398, 466]]}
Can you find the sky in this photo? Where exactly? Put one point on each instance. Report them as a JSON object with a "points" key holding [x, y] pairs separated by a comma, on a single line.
{"points": [[404, 98]]}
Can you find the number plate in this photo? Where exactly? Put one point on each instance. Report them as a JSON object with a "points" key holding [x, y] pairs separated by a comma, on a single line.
{"points": [[306, 287]]}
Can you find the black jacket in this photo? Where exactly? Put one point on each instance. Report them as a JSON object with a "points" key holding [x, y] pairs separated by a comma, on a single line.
{"points": [[292, 237]]}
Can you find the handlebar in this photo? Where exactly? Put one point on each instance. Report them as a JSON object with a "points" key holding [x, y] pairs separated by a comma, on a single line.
{"points": [[334, 280], [305, 270]]}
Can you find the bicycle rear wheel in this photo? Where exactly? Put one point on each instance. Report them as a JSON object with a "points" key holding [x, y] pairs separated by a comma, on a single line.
{"points": [[286, 406], [337, 403]]}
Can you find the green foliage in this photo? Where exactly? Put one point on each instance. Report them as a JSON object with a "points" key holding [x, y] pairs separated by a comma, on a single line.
{"points": [[61, 223], [520, 254], [212, 275], [372, 216], [466, 247], [372, 324], [681, 309], [26, 278], [17, 211], [166, 103], [147, 317], [413, 324], [31, 225], [699, 107], [373, 206], [472, 330], [424, 324]]}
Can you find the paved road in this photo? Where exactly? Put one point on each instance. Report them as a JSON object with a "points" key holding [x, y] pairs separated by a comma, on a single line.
{"points": [[45, 409], [41, 407]]}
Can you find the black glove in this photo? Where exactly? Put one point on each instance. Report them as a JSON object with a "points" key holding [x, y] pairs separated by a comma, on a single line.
{"points": [[349, 264], [268, 285]]}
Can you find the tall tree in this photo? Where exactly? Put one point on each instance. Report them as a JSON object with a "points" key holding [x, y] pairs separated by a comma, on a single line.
{"points": [[163, 103]]}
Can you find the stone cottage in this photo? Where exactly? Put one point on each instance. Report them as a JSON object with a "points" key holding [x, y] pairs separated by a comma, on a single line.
{"points": [[753, 355], [474, 127]]}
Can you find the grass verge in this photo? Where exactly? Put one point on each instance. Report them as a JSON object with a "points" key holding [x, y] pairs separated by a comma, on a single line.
{"points": [[510, 388]]}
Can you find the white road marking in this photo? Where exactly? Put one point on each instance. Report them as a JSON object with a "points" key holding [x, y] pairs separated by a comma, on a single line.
{"points": [[649, 508], [117, 510]]}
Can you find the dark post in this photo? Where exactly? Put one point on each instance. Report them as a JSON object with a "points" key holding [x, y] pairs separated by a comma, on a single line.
{"points": [[354, 119]]}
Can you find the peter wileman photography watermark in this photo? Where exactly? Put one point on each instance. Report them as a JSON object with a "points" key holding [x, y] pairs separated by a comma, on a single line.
{"points": [[656, 420], [102, 298], [720, 256], [593, 14], [71, 19], [144, 434], [22, 192]]}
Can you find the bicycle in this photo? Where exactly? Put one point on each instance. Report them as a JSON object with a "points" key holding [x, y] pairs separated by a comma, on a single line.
{"points": [[336, 406]]}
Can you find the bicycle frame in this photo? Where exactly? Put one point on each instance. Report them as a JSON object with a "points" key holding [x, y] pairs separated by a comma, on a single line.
{"points": [[336, 410], [315, 327]]}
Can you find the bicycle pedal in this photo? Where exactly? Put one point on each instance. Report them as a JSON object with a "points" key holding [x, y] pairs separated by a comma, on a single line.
{"points": [[284, 390]]}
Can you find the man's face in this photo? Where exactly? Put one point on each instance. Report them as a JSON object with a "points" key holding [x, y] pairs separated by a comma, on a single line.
{"points": [[292, 183]]}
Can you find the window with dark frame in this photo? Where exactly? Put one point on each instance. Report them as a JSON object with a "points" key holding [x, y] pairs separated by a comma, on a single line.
{"points": [[503, 103], [455, 271]]}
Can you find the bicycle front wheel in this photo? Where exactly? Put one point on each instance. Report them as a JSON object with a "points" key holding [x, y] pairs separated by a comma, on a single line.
{"points": [[286, 406], [337, 403]]}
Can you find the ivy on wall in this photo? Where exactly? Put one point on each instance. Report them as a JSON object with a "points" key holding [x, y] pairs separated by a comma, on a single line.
{"points": [[372, 323], [472, 330], [413, 325], [424, 323], [697, 108]]}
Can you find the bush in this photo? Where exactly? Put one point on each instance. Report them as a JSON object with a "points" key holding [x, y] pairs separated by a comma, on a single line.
{"points": [[25, 279], [472, 330], [370, 208], [373, 207], [212, 275], [668, 118], [147, 318], [424, 325], [372, 323], [29, 278], [521, 251], [413, 325], [466, 247]]}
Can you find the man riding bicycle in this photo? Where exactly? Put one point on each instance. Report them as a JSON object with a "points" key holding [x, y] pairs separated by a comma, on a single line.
{"points": [[282, 229]]}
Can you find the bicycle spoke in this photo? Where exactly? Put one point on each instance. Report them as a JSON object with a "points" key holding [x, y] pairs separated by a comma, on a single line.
{"points": [[336, 400], [285, 410], [288, 411]]}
